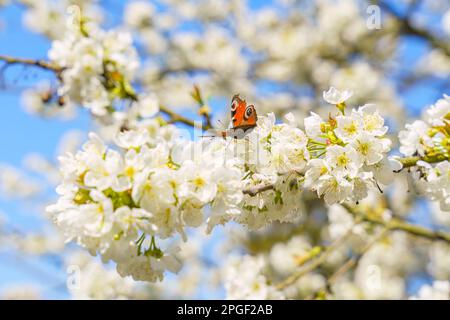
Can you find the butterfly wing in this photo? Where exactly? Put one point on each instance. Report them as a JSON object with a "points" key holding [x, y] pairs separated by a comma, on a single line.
{"points": [[237, 111], [242, 116], [250, 117]]}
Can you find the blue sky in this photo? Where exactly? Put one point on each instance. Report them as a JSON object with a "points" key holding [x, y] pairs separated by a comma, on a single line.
{"points": [[22, 134]]}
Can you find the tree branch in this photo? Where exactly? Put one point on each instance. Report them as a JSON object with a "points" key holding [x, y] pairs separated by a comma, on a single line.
{"points": [[37, 63], [178, 118], [315, 263], [391, 225], [174, 117], [398, 224], [408, 162], [349, 264], [253, 191]]}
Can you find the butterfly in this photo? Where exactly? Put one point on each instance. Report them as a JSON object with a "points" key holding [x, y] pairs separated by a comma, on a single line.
{"points": [[243, 119]]}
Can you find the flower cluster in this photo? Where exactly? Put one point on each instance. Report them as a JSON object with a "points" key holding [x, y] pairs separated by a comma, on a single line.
{"points": [[123, 202], [120, 202], [429, 139], [96, 66], [349, 151], [130, 195], [116, 204], [274, 156]]}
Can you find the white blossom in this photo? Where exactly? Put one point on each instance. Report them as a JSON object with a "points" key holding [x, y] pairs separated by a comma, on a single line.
{"points": [[97, 66]]}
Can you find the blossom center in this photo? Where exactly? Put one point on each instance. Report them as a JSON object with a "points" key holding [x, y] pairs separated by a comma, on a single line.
{"points": [[199, 182], [342, 160], [351, 128], [129, 172], [363, 148]]}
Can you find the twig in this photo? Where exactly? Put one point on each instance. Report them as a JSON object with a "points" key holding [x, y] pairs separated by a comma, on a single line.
{"points": [[174, 117], [391, 225], [412, 161], [253, 191], [313, 264], [354, 260], [178, 118], [398, 224], [350, 263], [38, 63]]}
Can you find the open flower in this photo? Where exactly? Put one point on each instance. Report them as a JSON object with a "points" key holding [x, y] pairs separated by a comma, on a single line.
{"points": [[344, 159], [334, 96], [371, 149], [348, 127]]}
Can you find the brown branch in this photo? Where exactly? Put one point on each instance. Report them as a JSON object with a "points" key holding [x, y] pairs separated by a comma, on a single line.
{"points": [[354, 260], [401, 225], [178, 118], [174, 117], [408, 162], [253, 191], [37, 63], [390, 225], [397, 224], [315, 263], [349, 264]]}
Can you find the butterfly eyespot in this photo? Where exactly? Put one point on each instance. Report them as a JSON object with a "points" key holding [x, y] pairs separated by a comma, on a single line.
{"points": [[248, 112], [234, 105]]}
